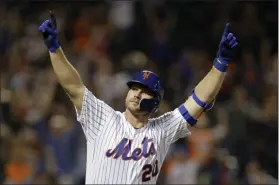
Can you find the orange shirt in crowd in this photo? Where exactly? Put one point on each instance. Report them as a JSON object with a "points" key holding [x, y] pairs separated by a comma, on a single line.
{"points": [[18, 172]]}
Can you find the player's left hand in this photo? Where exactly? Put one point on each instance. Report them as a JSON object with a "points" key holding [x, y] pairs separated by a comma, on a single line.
{"points": [[227, 46], [49, 32]]}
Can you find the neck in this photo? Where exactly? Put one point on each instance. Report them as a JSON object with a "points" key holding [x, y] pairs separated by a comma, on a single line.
{"points": [[137, 121]]}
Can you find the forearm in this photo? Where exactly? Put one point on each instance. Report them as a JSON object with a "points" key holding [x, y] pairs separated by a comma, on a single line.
{"points": [[205, 91], [202, 99], [210, 85], [66, 74]]}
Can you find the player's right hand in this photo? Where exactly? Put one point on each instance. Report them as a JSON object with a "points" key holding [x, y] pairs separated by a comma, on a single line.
{"points": [[49, 31]]}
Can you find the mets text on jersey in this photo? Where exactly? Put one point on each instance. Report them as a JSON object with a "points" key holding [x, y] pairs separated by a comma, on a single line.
{"points": [[124, 148]]}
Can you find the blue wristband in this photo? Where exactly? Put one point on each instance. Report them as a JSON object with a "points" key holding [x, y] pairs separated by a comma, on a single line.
{"points": [[220, 66]]}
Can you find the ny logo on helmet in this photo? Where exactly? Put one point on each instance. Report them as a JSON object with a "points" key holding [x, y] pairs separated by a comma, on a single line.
{"points": [[146, 75]]}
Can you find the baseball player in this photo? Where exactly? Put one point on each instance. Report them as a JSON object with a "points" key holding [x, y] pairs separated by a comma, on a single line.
{"points": [[129, 147]]}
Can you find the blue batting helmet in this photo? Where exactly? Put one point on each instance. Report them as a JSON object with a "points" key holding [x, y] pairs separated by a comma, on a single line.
{"points": [[151, 81]]}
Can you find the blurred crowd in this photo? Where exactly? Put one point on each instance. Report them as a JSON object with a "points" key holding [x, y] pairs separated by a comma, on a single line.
{"points": [[235, 143]]}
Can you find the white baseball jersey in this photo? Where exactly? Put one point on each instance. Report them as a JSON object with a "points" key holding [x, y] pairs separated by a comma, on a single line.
{"points": [[117, 153]]}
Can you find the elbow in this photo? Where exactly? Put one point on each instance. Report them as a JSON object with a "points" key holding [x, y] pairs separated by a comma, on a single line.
{"points": [[210, 97], [74, 90]]}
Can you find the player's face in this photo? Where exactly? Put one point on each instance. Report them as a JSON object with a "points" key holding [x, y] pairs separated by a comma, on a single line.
{"points": [[135, 95]]}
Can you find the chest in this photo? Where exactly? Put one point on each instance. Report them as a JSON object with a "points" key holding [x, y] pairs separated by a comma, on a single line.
{"points": [[127, 145], [131, 149]]}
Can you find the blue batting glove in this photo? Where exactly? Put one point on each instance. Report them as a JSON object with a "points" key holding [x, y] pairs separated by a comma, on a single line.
{"points": [[226, 49], [49, 31]]}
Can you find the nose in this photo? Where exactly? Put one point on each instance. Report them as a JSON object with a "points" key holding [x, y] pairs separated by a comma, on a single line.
{"points": [[137, 94]]}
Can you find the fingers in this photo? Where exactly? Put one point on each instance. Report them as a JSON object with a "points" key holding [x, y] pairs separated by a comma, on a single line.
{"points": [[52, 19], [231, 41], [44, 26], [227, 30], [49, 38], [230, 36], [234, 45], [48, 25]]}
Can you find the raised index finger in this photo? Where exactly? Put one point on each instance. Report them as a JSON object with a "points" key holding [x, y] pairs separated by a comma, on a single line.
{"points": [[52, 19], [227, 30]]}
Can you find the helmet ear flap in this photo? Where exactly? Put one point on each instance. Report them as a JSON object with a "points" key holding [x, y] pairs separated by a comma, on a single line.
{"points": [[147, 105], [150, 105]]}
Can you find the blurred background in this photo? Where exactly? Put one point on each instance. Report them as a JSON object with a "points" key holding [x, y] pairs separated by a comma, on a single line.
{"points": [[234, 143]]}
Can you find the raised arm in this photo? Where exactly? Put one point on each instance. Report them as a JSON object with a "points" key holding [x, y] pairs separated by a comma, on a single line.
{"points": [[203, 96], [92, 113], [66, 74], [68, 77]]}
